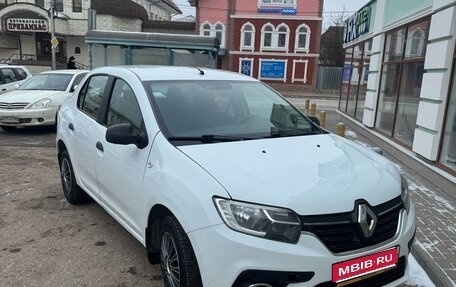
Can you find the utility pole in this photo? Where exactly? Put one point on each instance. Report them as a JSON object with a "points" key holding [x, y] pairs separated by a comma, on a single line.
{"points": [[53, 35]]}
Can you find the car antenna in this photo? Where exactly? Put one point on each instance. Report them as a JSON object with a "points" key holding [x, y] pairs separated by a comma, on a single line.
{"points": [[201, 72]]}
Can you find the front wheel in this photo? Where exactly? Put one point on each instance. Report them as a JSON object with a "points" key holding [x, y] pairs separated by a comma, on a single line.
{"points": [[73, 193], [178, 262]]}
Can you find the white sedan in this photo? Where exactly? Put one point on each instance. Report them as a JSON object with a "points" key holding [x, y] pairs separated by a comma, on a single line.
{"points": [[37, 101], [227, 184]]}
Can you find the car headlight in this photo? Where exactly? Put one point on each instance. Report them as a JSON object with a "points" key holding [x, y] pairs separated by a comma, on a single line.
{"points": [[405, 193], [268, 222], [41, 104]]}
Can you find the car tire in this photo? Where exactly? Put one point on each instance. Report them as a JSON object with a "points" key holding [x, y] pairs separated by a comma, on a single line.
{"points": [[177, 258], [73, 193], [8, 128]]}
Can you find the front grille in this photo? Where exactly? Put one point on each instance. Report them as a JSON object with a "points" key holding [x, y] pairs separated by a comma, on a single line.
{"points": [[12, 106], [378, 280], [25, 121], [340, 232]]}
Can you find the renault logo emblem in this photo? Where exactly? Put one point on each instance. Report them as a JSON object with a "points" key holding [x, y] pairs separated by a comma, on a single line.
{"points": [[367, 220]]}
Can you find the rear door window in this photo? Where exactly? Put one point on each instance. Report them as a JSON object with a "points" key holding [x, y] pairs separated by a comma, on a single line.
{"points": [[90, 97]]}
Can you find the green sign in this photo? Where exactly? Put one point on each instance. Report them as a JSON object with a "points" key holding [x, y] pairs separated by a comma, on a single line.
{"points": [[358, 24]]}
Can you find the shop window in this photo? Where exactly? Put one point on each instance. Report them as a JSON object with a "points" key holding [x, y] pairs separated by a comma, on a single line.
{"points": [[402, 76], [302, 38], [247, 37], [448, 152], [354, 80], [77, 6]]}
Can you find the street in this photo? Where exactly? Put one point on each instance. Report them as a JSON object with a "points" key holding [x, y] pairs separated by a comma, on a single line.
{"points": [[44, 241]]}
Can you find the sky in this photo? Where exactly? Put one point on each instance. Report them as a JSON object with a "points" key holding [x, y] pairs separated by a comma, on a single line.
{"points": [[330, 6]]}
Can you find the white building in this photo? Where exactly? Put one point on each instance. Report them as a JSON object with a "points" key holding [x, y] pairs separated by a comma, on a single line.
{"points": [[25, 26], [399, 77]]}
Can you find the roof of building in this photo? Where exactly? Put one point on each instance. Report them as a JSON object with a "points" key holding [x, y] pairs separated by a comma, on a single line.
{"points": [[120, 8], [172, 5]]}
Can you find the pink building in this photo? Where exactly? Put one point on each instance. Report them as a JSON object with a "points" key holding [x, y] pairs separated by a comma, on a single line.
{"points": [[276, 41]]}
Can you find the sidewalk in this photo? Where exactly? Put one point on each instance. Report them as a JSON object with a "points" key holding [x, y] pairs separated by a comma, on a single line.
{"points": [[435, 244]]}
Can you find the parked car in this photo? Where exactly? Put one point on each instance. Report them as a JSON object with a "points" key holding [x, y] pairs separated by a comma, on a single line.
{"points": [[227, 184], [37, 100], [12, 76]]}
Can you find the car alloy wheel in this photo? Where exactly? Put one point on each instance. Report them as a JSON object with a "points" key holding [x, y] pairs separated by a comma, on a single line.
{"points": [[170, 260], [66, 176]]}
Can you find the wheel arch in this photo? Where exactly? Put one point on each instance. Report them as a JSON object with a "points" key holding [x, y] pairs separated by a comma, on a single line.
{"points": [[156, 215]]}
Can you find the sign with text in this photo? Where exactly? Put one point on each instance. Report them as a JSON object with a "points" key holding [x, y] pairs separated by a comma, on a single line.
{"points": [[358, 24], [26, 25], [272, 69], [283, 11], [364, 265]]}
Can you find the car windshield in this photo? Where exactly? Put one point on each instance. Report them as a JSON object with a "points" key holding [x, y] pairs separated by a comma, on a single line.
{"points": [[218, 111], [52, 82]]}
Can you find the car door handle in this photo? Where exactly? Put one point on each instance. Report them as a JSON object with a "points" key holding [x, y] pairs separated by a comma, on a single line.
{"points": [[71, 127], [100, 146]]}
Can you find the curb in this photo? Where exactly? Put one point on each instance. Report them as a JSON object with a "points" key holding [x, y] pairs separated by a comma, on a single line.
{"points": [[435, 273]]}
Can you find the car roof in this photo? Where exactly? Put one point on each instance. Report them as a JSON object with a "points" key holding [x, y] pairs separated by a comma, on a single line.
{"points": [[163, 73], [12, 66], [70, 72]]}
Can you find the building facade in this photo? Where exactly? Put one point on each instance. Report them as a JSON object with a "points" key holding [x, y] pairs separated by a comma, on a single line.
{"points": [[159, 10], [25, 27], [399, 76], [274, 41]]}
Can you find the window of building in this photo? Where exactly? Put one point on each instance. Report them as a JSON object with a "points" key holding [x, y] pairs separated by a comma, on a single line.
{"points": [[275, 39], [354, 80], [402, 76], [217, 30], [77, 6], [246, 66], [77, 50], [302, 38], [247, 37], [59, 5], [448, 151], [39, 3], [266, 34]]}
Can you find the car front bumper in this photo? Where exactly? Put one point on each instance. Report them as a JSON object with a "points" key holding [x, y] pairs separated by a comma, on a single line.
{"points": [[223, 254], [28, 117]]}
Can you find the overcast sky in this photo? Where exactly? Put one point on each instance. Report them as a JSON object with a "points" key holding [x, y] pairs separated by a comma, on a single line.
{"points": [[330, 6]]}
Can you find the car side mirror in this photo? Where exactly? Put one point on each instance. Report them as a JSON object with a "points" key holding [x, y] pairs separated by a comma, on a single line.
{"points": [[315, 120], [16, 86], [123, 134], [73, 88]]}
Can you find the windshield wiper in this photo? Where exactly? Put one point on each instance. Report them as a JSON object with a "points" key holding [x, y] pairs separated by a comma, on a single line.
{"points": [[277, 133], [209, 138]]}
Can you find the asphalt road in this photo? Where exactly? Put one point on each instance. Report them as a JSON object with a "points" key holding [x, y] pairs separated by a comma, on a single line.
{"points": [[44, 241]]}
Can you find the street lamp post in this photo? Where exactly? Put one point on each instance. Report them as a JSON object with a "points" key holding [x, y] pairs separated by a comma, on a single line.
{"points": [[53, 35]]}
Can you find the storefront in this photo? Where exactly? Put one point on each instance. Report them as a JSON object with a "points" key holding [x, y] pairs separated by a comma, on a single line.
{"points": [[398, 75]]}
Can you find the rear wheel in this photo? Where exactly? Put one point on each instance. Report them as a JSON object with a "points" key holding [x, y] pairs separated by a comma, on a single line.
{"points": [[8, 128], [178, 262], [73, 193]]}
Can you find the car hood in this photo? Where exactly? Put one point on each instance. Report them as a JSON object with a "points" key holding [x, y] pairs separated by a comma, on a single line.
{"points": [[28, 96], [309, 174]]}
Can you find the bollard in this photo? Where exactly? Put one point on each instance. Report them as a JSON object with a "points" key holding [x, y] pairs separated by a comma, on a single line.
{"points": [[340, 127], [307, 105], [322, 119], [313, 109]]}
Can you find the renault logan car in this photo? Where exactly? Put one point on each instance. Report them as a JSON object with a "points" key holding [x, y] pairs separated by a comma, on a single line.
{"points": [[227, 184], [35, 103]]}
